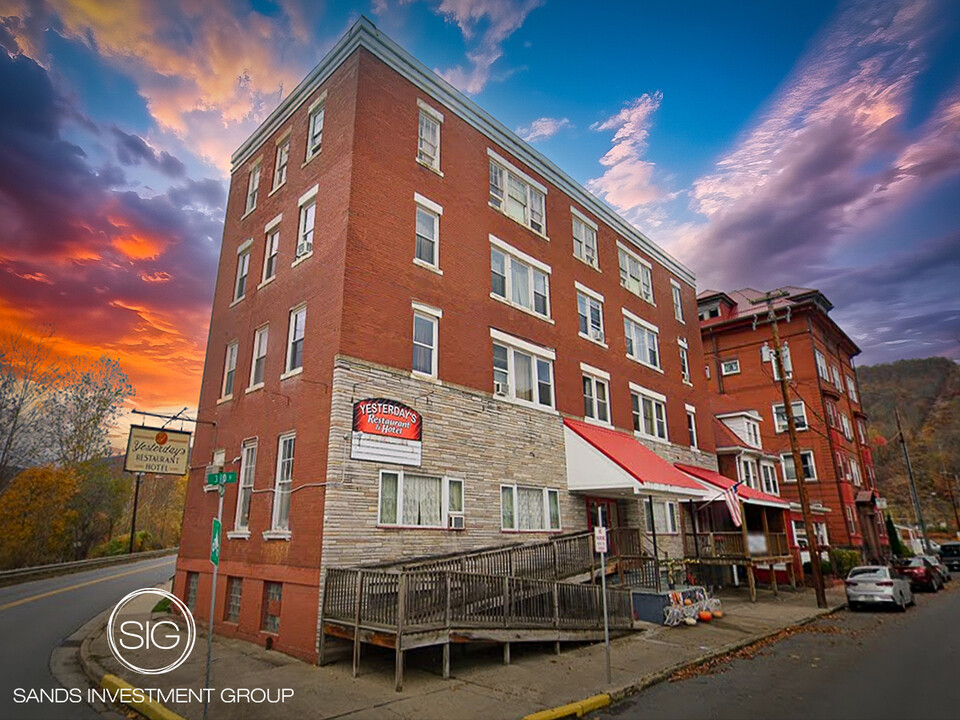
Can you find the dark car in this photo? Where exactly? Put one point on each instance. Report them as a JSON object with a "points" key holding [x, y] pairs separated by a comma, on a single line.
{"points": [[950, 555], [921, 573]]}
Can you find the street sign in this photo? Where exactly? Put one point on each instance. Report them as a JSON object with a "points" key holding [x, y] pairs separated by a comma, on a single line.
{"points": [[222, 478], [600, 539], [215, 543]]}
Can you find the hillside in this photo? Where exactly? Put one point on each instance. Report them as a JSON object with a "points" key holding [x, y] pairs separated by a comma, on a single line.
{"points": [[927, 393]]}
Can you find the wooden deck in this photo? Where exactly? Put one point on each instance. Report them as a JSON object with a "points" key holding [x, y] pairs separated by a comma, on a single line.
{"points": [[751, 551]]}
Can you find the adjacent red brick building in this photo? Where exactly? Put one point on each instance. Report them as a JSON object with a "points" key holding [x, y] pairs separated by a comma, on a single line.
{"points": [[385, 238], [825, 397]]}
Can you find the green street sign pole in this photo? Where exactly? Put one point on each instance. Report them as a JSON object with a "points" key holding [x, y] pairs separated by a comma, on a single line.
{"points": [[215, 559]]}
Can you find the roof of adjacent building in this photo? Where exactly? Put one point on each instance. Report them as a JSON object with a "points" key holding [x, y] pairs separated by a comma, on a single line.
{"points": [[642, 463], [722, 482]]}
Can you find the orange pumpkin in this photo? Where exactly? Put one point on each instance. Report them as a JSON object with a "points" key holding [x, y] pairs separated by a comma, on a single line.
{"points": [[687, 601], [705, 616], [718, 613]]}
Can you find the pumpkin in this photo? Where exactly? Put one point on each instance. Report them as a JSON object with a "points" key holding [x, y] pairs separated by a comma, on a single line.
{"points": [[718, 613], [705, 616], [687, 601], [690, 621]]}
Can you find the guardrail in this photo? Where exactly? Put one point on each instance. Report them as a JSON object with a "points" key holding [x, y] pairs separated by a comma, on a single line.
{"points": [[36, 572]]}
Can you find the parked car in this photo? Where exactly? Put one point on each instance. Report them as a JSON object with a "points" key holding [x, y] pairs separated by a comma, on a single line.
{"points": [[950, 555], [877, 585], [942, 570], [921, 573]]}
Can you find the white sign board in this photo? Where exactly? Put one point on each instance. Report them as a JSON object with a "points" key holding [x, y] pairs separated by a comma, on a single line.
{"points": [[600, 539], [159, 452]]}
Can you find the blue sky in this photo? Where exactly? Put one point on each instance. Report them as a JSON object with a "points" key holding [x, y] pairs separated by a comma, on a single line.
{"points": [[763, 143]]}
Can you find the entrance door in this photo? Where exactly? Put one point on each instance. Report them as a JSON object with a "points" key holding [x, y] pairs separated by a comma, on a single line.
{"points": [[606, 506]]}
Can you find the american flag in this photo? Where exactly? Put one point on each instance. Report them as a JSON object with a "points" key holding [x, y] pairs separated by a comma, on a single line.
{"points": [[732, 500]]}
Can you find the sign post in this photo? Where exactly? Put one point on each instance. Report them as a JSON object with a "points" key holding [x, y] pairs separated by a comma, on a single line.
{"points": [[215, 559], [600, 545]]}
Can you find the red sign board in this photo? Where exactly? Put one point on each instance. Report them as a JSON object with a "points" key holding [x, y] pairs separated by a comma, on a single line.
{"points": [[389, 418]]}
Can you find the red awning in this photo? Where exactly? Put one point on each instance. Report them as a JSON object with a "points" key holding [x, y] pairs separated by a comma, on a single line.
{"points": [[722, 482], [645, 466]]}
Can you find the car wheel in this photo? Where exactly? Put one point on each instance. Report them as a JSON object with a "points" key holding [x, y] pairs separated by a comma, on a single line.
{"points": [[853, 606], [901, 606]]}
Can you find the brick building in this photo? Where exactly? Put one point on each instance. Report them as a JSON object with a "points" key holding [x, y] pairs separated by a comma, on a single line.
{"points": [[825, 403], [394, 256]]}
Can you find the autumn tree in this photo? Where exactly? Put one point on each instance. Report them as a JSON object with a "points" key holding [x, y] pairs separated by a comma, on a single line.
{"points": [[36, 518], [100, 503]]}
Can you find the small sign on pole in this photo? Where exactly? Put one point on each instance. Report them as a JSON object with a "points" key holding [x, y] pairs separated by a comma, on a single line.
{"points": [[600, 539], [222, 478], [215, 543]]}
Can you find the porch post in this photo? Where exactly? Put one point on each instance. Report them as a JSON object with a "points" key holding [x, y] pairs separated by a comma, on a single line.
{"points": [[696, 539], [652, 517], [751, 580]]}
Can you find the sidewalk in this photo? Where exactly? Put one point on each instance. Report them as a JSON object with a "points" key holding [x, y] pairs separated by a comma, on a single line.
{"points": [[480, 686]]}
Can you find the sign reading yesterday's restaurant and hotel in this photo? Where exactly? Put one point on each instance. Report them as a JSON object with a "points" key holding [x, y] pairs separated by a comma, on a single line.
{"points": [[386, 431], [159, 452]]}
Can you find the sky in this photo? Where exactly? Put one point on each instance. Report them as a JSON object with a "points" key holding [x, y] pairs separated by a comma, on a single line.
{"points": [[762, 143]]}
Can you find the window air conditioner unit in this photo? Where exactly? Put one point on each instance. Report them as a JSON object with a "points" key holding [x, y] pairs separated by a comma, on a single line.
{"points": [[455, 522], [501, 388], [596, 334]]}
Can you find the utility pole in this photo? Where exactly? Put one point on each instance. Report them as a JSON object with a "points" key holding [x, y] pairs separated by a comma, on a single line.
{"points": [[913, 486], [813, 542], [133, 519]]}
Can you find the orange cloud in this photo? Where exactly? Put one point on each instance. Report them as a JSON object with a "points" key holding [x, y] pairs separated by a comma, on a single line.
{"points": [[138, 247]]}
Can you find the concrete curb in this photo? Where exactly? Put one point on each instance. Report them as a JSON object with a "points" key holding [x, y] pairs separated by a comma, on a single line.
{"points": [[580, 708], [150, 709]]}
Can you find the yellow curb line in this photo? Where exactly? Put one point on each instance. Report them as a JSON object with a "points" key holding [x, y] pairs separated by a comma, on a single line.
{"points": [[579, 708], [150, 709]]}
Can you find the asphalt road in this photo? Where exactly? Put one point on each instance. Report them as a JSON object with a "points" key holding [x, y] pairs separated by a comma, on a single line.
{"points": [[35, 617], [874, 665]]}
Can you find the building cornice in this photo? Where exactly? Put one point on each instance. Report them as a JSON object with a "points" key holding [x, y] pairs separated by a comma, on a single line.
{"points": [[365, 34]]}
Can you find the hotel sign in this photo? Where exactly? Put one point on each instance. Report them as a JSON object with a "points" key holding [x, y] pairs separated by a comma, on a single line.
{"points": [[158, 452], [386, 431]]}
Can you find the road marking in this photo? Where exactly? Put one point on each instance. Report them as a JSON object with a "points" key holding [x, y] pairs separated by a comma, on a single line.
{"points": [[40, 596]]}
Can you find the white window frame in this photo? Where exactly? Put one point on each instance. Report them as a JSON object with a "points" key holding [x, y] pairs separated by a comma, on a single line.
{"points": [[548, 517], [253, 187], [585, 245], [271, 249], [281, 163], [781, 427], [822, 369], [537, 354], [852, 389], [837, 378], [445, 511], [656, 400], [855, 471], [730, 367], [646, 331], [852, 527], [291, 339], [280, 481], [641, 285], [536, 270], [846, 426], [684, 351], [588, 302], [536, 193], [671, 515], [769, 482], [261, 338], [862, 432], [428, 114], [314, 137], [248, 466], [692, 433], [813, 466], [433, 211], [592, 405], [306, 230], [432, 316], [753, 432], [242, 279], [677, 293], [229, 370], [748, 471]]}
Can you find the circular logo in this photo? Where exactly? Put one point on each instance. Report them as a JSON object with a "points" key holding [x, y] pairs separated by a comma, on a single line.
{"points": [[147, 645], [161, 438]]}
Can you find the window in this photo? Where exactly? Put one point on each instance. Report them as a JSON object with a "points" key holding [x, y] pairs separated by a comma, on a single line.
{"points": [[270, 254], [315, 130], [427, 231], [284, 480], [229, 370], [524, 283], [729, 367], [248, 464], [662, 515], [280, 167], [821, 365], [842, 466], [635, 274], [193, 581], [308, 220], [753, 432], [590, 315], [790, 473], [768, 476], [428, 136], [709, 312], [516, 195], [748, 472], [643, 341], [425, 344], [298, 321], [649, 413], [272, 598], [253, 188], [799, 416], [766, 353], [234, 592], [411, 500], [855, 472], [847, 427], [837, 381], [852, 389], [260, 337], [684, 361], [596, 403], [585, 240], [851, 520], [692, 426], [862, 431], [833, 416], [243, 269], [523, 371], [527, 509], [677, 300]]}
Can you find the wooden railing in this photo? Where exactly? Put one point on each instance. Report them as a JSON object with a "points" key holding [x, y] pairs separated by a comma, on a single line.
{"points": [[730, 544]]}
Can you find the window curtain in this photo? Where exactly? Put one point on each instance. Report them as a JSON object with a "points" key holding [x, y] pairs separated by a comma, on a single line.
{"points": [[422, 503], [529, 508]]}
